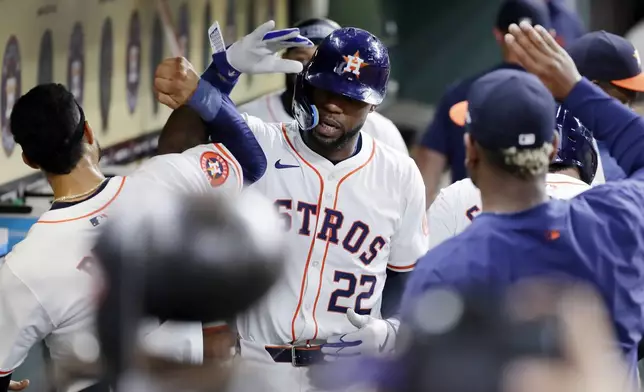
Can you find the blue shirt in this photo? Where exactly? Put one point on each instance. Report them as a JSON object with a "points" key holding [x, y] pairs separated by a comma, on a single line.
{"points": [[596, 237], [443, 135]]}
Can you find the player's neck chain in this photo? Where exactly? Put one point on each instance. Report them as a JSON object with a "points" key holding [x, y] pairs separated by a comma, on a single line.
{"points": [[79, 195]]}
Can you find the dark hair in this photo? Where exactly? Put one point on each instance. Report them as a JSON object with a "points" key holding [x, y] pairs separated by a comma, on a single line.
{"points": [[49, 125]]}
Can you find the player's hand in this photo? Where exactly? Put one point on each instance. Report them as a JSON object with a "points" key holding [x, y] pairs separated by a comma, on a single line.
{"points": [[539, 53], [18, 385], [373, 337], [255, 53], [175, 81]]}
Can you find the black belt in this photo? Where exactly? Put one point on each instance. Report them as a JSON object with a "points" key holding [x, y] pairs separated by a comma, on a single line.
{"points": [[296, 355]]}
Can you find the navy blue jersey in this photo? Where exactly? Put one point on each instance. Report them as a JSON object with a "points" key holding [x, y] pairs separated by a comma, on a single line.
{"points": [[596, 237], [443, 135]]}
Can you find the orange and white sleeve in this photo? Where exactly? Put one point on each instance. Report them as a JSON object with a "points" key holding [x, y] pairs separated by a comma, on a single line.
{"points": [[202, 169]]}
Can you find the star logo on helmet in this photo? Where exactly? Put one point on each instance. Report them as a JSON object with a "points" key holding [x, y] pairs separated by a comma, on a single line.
{"points": [[354, 64]]}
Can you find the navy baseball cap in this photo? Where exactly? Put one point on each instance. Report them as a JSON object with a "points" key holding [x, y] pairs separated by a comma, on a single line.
{"points": [[607, 57], [516, 11], [507, 108]]}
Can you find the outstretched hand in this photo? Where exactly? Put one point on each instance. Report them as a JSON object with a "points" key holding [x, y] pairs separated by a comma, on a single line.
{"points": [[539, 53]]}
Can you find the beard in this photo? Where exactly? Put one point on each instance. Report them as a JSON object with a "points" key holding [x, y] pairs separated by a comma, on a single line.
{"points": [[337, 143]]}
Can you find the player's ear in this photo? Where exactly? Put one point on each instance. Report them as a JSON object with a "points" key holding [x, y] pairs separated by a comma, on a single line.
{"points": [[373, 108], [28, 162], [89, 134]]}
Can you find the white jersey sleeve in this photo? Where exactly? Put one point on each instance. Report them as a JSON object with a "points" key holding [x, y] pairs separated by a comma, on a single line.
{"points": [[385, 131], [453, 210], [409, 242], [600, 178], [23, 321], [441, 219], [201, 169], [175, 341]]}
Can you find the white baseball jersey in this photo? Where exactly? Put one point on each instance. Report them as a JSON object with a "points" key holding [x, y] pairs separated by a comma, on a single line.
{"points": [[270, 109], [46, 282], [346, 224], [457, 205]]}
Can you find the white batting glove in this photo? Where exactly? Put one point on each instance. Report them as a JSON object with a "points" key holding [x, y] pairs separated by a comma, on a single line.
{"points": [[256, 52], [373, 337]]}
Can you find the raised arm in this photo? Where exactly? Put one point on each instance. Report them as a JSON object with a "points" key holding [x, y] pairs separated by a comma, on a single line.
{"points": [[620, 128], [176, 83]]}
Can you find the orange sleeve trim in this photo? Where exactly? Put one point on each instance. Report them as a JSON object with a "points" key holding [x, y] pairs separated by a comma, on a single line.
{"points": [[235, 164], [401, 268], [3, 373], [118, 192]]}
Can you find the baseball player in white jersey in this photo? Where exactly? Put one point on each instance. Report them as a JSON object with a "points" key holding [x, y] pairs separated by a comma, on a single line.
{"points": [[276, 107], [573, 171], [353, 209]]}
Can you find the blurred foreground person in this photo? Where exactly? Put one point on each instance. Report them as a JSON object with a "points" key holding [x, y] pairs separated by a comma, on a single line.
{"points": [[595, 237], [541, 336], [204, 259]]}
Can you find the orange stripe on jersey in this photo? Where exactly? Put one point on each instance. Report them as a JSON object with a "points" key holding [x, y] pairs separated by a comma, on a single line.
{"points": [[233, 161], [91, 213], [5, 373], [313, 238], [326, 249], [402, 268]]}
